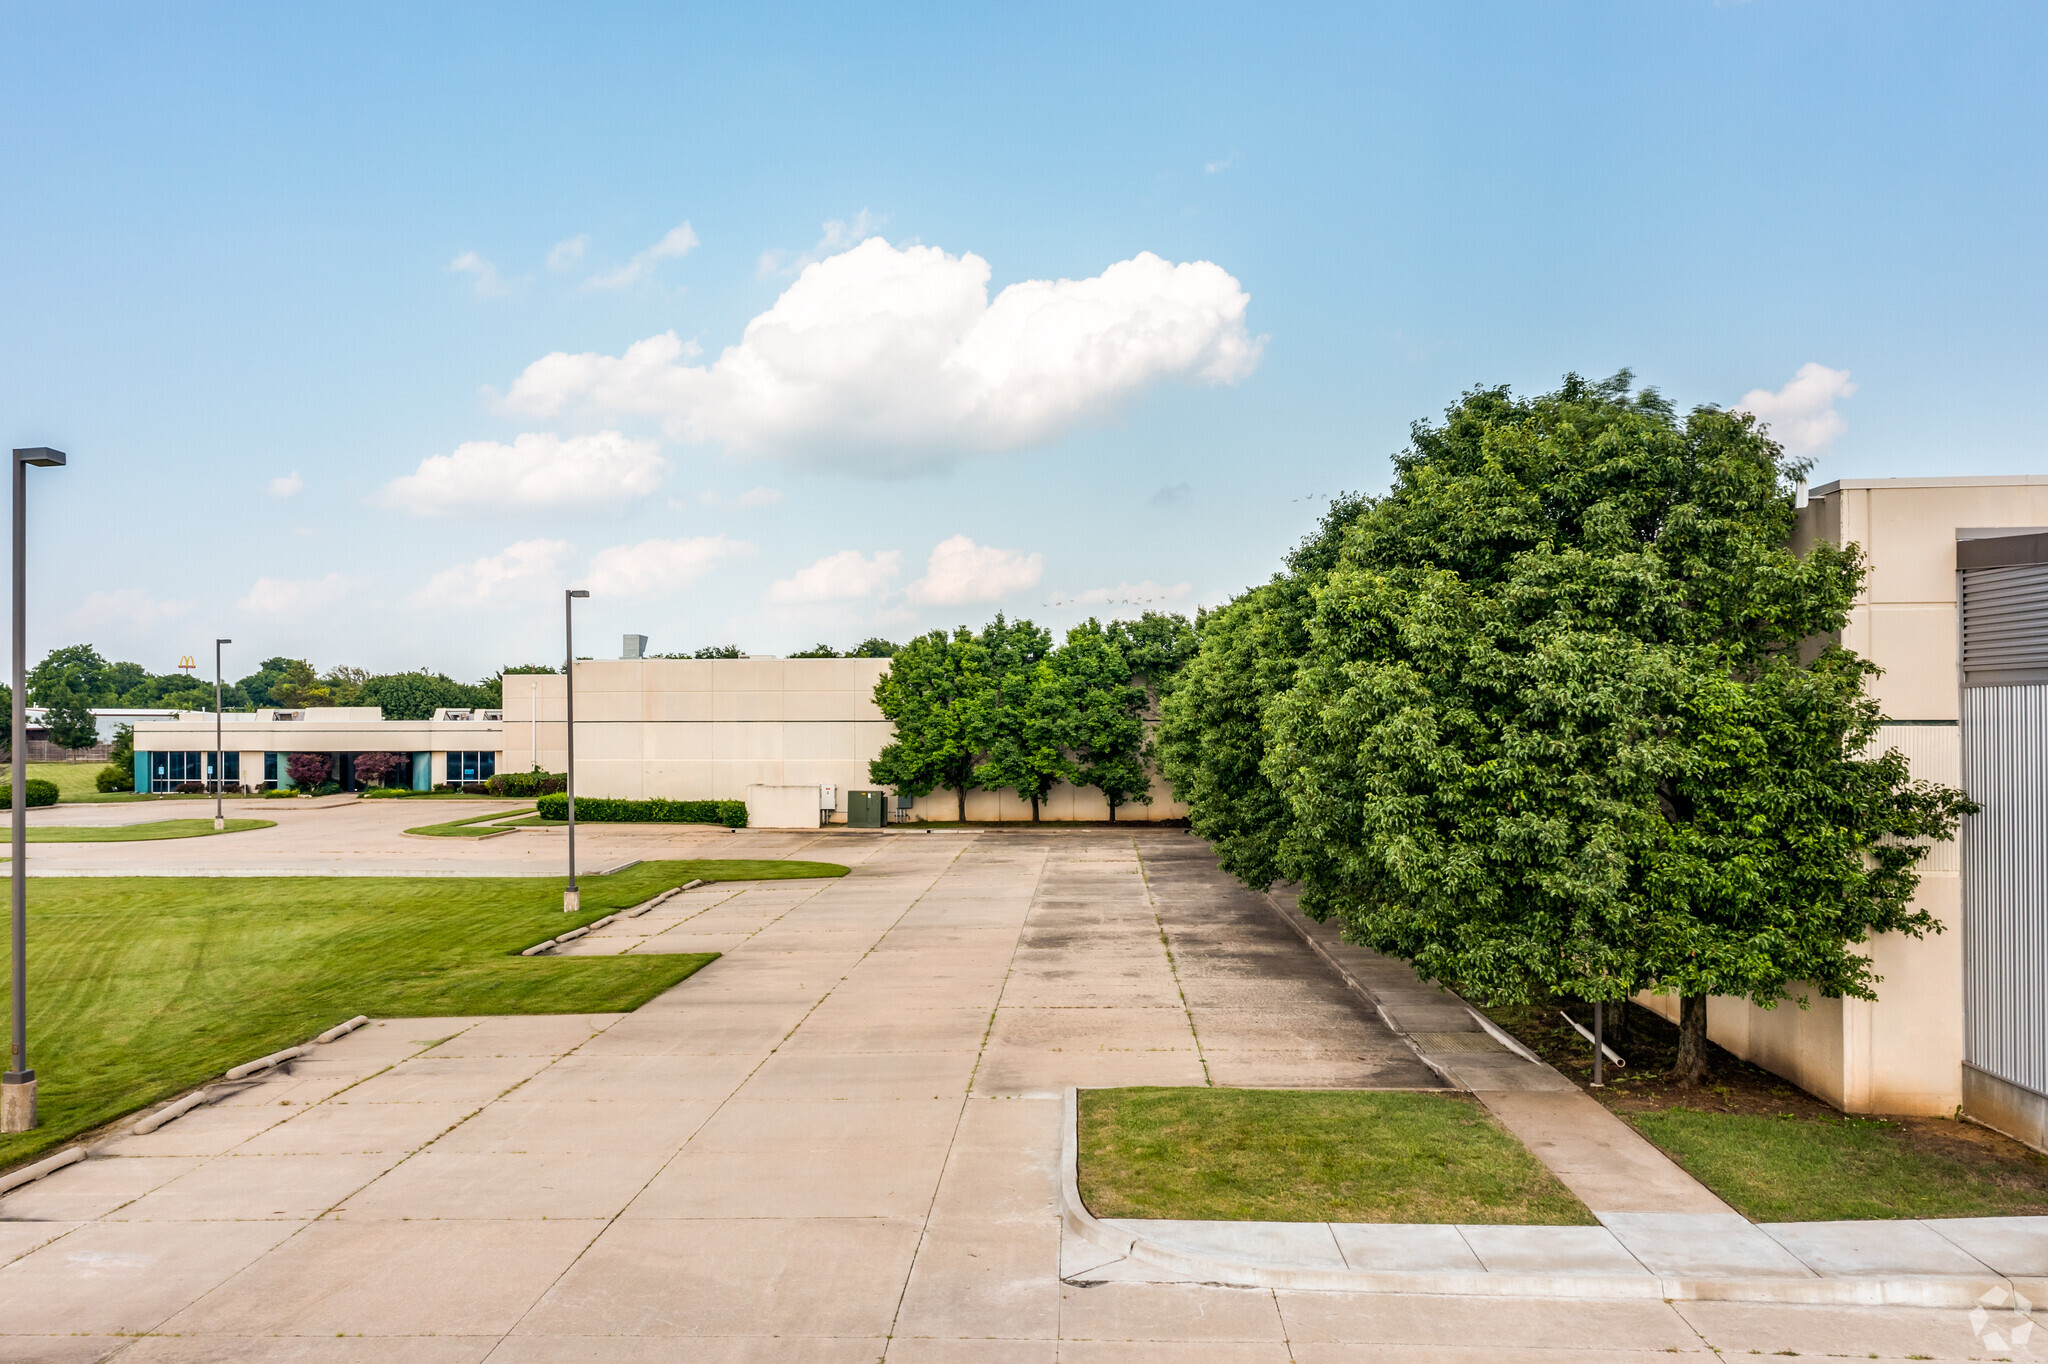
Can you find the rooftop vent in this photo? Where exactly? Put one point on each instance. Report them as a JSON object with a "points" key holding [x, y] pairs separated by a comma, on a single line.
{"points": [[635, 647]]}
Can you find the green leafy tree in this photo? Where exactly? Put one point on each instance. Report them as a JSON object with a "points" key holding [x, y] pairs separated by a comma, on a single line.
{"points": [[258, 685], [719, 651], [74, 672], [1554, 733], [344, 684], [413, 696], [298, 687], [1030, 734], [1212, 735], [1105, 710], [817, 651], [936, 693], [524, 668], [70, 721], [874, 646], [1156, 646]]}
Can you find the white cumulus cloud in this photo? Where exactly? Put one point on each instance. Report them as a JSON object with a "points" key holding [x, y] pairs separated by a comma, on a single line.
{"points": [[899, 356], [845, 576], [538, 469], [286, 486], [130, 605], [837, 236], [961, 572], [286, 596], [679, 242], [485, 278], [565, 254], [656, 567], [1802, 414], [523, 571]]}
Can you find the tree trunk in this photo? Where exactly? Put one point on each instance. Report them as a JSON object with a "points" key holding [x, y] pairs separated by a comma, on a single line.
{"points": [[1034, 807], [961, 792], [1691, 1067]]}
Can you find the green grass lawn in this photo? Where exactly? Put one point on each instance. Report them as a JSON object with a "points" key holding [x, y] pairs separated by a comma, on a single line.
{"points": [[140, 833], [470, 826], [74, 781], [1264, 1155], [1807, 1169], [141, 987]]}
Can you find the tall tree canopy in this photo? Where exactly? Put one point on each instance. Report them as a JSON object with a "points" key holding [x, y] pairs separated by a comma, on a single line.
{"points": [[936, 694], [1553, 730]]}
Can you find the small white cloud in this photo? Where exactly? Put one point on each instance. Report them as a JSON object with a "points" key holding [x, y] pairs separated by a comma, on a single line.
{"points": [[900, 358], [658, 567], [286, 486], [960, 572], [487, 282], [568, 253], [523, 572], [837, 236], [537, 470], [286, 596], [679, 242], [1218, 167], [130, 605], [845, 576], [1802, 415], [1172, 495], [1144, 596]]}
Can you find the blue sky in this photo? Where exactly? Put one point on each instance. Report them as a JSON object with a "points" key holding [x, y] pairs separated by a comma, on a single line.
{"points": [[276, 276]]}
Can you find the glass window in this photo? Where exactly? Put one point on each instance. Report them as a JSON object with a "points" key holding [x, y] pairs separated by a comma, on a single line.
{"points": [[270, 769], [486, 766]]}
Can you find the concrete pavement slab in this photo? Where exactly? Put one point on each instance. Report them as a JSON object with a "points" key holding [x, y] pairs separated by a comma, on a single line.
{"points": [[391, 1279], [1284, 1243], [1775, 1328], [973, 1284], [925, 1350], [510, 1185], [638, 1079], [1901, 1247], [1411, 1248], [309, 1350], [210, 1130], [814, 1184], [1692, 1244], [702, 1350], [2013, 1246], [93, 1188], [725, 1277], [1496, 1325], [429, 1078], [875, 1075], [581, 1127], [19, 1238], [1600, 1158], [1169, 1312], [113, 1277], [537, 1035], [294, 1188], [335, 1129], [829, 1124], [1551, 1250]]}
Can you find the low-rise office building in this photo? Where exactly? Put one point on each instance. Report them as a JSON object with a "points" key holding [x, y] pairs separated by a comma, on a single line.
{"points": [[454, 748]]}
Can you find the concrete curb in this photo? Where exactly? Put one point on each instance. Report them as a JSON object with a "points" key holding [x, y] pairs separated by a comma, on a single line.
{"points": [[29, 1173], [1187, 1265], [266, 1062]]}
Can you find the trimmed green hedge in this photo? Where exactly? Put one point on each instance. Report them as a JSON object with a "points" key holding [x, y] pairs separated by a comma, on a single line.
{"points": [[604, 810], [42, 792]]}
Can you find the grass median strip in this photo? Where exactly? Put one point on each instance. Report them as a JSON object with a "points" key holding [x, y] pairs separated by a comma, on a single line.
{"points": [[1265, 1155], [140, 833], [142, 986], [471, 826]]}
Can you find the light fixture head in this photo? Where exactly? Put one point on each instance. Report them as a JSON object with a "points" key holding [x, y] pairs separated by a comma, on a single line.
{"points": [[578, 592], [39, 454], [223, 641]]}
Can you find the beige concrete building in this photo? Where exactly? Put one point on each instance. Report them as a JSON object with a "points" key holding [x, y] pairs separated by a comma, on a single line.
{"points": [[173, 749], [1928, 1044], [708, 729]]}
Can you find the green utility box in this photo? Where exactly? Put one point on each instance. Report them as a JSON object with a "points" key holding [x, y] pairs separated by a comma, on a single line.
{"points": [[865, 809]]}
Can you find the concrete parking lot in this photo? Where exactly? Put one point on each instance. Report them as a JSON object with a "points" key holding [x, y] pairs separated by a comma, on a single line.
{"points": [[838, 1142]]}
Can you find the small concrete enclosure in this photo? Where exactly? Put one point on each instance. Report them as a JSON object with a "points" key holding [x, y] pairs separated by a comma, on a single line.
{"points": [[1953, 682]]}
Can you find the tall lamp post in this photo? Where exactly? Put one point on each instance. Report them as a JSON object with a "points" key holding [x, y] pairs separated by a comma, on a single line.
{"points": [[18, 1086], [572, 899], [220, 775]]}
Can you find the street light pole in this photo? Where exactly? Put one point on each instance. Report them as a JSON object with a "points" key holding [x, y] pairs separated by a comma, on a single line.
{"points": [[572, 899], [220, 774], [18, 1086]]}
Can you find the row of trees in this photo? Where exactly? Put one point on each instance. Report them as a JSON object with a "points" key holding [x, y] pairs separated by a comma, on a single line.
{"points": [[1004, 709], [1562, 714]]}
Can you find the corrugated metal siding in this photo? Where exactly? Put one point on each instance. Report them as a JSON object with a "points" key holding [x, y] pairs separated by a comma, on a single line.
{"points": [[2005, 623], [1934, 753], [2005, 881]]}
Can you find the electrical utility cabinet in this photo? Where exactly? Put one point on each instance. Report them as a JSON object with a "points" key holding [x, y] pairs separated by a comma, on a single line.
{"points": [[866, 809]]}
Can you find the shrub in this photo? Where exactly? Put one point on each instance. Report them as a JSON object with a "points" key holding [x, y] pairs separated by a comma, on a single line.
{"points": [[191, 788], [376, 768], [310, 769], [604, 810], [326, 788], [282, 792], [39, 792], [114, 777], [526, 783], [386, 793]]}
